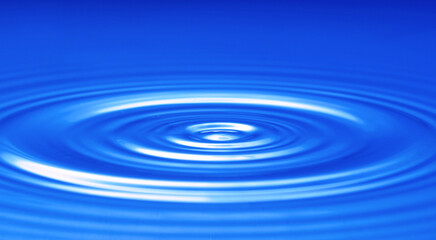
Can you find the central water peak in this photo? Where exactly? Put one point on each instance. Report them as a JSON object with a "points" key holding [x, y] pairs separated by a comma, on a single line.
{"points": [[221, 135], [220, 131]]}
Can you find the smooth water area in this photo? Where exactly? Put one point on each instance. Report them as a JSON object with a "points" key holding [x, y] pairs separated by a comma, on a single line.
{"points": [[251, 149]]}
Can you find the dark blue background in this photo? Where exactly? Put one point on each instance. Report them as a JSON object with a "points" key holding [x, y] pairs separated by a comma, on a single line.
{"points": [[390, 36]]}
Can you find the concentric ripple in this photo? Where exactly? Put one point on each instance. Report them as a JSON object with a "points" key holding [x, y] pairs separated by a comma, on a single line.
{"points": [[276, 137]]}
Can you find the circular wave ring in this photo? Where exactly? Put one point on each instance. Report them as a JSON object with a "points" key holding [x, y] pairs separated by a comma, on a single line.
{"points": [[215, 145]]}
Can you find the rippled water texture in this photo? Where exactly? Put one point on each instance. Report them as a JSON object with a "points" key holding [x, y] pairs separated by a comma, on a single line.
{"points": [[216, 153]]}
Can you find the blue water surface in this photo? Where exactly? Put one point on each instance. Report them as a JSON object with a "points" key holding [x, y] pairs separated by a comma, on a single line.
{"points": [[305, 120]]}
